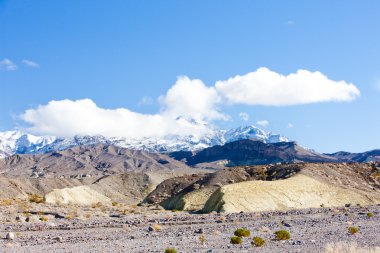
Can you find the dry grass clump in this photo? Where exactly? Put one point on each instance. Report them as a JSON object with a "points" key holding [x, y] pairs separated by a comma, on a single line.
{"points": [[349, 247], [6, 202], [35, 198], [44, 218], [202, 239], [157, 227], [282, 234]]}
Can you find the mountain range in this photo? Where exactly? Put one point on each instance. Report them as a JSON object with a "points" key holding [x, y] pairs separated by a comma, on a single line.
{"points": [[20, 142]]}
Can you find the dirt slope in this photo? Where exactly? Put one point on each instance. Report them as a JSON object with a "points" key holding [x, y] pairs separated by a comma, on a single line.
{"points": [[79, 195], [296, 192]]}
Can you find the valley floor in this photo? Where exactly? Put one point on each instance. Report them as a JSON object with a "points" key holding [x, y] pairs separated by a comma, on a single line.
{"points": [[311, 230]]}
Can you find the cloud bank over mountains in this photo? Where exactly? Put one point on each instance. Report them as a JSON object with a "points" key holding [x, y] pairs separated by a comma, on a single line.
{"points": [[188, 99]]}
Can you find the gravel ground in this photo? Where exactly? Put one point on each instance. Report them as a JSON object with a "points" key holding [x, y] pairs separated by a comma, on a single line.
{"points": [[310, 230]]}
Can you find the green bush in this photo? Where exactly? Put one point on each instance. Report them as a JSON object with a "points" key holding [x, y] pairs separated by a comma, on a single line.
{"points": [[353, 230], [242, 232], [236, 240], [170, 250], [258, 241], [370, 215], [282, 234]]}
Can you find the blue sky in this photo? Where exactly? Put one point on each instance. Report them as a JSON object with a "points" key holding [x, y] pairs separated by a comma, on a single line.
{"points": [[117, 53]]}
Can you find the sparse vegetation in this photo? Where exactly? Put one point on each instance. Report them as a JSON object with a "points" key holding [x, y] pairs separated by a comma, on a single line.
{"points": [[236, 240], [170, 250], [242, 232], [258, 241], [71, 215], [370, 215], [349, 247], [202, 239], [353, 230], [115, 204], [35, 198], [6, 202], [282, 234]]}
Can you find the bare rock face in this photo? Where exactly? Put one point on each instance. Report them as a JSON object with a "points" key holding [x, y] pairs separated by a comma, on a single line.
{"points": [[251, 152]]}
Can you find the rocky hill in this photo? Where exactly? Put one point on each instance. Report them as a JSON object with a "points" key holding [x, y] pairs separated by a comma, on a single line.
{"points": [[116, 173], [369, 156]]}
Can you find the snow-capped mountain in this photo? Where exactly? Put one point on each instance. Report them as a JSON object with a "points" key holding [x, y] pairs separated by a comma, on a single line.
{"points": [[18, 142]]}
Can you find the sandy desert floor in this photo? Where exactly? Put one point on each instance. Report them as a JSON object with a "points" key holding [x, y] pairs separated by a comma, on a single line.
{"points": [[311, 230]]}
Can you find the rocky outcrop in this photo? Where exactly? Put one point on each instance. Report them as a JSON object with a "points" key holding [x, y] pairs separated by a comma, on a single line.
{"points": [[251, 152]]}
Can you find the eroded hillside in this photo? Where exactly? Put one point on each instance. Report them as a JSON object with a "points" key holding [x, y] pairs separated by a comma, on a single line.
{"points": [[273, 187]]}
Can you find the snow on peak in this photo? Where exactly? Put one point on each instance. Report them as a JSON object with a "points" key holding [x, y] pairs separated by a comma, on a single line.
{"points": [[18, 142]]}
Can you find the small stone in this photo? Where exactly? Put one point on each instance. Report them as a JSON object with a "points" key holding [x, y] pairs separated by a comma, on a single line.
{"points": [[10, 236], [58, 239], [150, 229], [286, 224], [199, 231]]}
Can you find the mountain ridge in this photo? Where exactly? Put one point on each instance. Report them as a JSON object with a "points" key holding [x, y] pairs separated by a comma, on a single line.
{"points": [[19, 142]]}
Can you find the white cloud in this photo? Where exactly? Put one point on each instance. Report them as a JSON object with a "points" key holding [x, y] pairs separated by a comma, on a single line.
{"points": [[290, 125], [31, 64], [265, 87], [244, 116], [262, 123], [291, 22], [191, 99], [7, 65], [187, 99], [68, 118], [145, 101]]}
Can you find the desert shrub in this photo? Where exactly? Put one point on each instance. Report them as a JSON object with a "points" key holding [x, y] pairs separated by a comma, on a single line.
{"points": [[115, 204], [370, 215], [242, 232], [258, 241], [353, 230], [282, 234], [71, 216], [36, 199], [236, 240], [170, 250]]}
